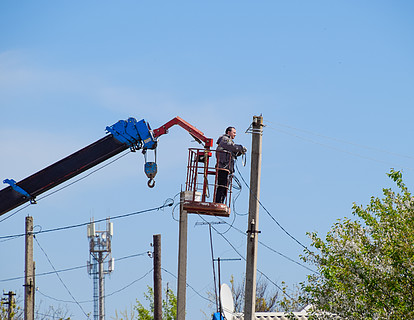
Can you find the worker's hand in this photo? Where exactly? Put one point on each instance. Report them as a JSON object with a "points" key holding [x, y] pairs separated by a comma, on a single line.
{"points": [[244, 150]]}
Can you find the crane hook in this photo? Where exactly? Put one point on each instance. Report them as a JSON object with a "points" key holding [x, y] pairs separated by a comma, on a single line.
{"points": [[151, 183]]}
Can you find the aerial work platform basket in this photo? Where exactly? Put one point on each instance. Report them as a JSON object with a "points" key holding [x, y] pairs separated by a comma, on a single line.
{"points": [[202, 184]]}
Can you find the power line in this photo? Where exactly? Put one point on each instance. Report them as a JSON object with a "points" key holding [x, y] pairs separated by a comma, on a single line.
{"points": [[341, 150], [188, 285], [110, 294], [85, 176], [168, 203], [270, 215], [271, 249], [72, 268], [67, 185], [128, 285], [341, 140], [57, 274], [12, 214], [231, 245]]}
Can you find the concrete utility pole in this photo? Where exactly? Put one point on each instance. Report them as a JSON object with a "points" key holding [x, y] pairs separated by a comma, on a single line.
{"points": [[253, 223], [182, 261], [157, 277], [29, 276]]}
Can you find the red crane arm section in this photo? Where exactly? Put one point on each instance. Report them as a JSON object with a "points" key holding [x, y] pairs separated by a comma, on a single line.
{"points": [[193, 131]]}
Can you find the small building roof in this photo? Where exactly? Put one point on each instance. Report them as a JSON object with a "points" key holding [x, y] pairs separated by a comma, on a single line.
{"points": [[274, 316]]}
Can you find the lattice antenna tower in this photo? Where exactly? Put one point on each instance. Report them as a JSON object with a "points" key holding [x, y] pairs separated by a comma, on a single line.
{"points": [[99, 253]]}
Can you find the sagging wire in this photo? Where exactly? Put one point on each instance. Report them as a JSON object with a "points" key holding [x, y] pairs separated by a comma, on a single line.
{"points": [[13, 213], [105, 296], [188, 285], [270, 215], [345, 151], [167, 203], [60, 279], [238, 187], [335, 139], [130, 284], [67, 185], [271, 249], [173, 209], [244, 258], [72, 268]]}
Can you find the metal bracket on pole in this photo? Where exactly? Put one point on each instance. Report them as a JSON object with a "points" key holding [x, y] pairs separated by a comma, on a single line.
{"points": [[252, 231], [15, 187], [259, 130]]}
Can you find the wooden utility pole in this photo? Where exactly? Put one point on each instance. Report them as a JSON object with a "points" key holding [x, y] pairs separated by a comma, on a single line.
{"points": [[253, 223], [10, 304], [157, 277], [182, 261], [29, 279]]}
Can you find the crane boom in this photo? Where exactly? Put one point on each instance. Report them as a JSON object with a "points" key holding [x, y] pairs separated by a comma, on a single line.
{"points": [[193, 131], [131, 134], [59, 172]]}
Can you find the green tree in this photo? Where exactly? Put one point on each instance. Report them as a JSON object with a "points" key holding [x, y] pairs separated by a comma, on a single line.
{"points": [[366, 265], [169, 306], [140, 312]]}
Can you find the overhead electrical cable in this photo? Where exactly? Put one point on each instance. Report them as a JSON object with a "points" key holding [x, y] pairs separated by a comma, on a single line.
{"points": [[168, 203], [85, 176], [243, 257], [72, 268], [270, 215], [130, 284], [60, 279], [340, 140], [188, 285], [271, 249], [67, 185], [341, 150], [13, 213], [107, 295]]}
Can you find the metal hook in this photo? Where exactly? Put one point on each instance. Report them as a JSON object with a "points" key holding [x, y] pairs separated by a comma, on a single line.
{"points": [[151, 183]]}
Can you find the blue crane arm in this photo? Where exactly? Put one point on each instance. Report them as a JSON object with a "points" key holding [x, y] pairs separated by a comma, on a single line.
{"points": [[123, 135]]}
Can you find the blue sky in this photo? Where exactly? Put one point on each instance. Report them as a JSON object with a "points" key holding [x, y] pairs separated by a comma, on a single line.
{"points": [[333, 80]]}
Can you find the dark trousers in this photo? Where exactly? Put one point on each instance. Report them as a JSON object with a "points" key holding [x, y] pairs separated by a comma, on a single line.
{"points": [[222, 185]]}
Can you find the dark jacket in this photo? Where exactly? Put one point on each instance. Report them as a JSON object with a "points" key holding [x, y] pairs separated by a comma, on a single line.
{"points": [[227, 152]]}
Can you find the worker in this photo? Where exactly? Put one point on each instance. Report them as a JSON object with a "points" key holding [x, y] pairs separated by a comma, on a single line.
{"points": [[227, 152]]}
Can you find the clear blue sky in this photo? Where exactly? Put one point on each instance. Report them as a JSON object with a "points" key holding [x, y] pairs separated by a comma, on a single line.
{"points": [[333, 80]]}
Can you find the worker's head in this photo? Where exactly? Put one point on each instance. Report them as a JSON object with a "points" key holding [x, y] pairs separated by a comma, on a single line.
{"points": [[231, 131]]}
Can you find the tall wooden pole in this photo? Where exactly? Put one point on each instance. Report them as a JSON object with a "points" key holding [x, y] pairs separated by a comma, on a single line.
{"points": [[29, 272], [182, 261], [10, 303], [253, 223], [157, 277]]}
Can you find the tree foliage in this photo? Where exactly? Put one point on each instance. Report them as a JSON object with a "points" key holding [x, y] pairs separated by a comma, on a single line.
{"points": [[366, 265], [41, 313], [140, 312], [4, 310]]}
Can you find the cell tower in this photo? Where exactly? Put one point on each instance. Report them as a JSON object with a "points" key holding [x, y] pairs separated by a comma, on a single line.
{"points": [[99, 251]]}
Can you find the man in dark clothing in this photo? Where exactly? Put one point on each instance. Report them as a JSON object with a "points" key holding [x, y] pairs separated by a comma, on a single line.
{"points": [[227, 152]]}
